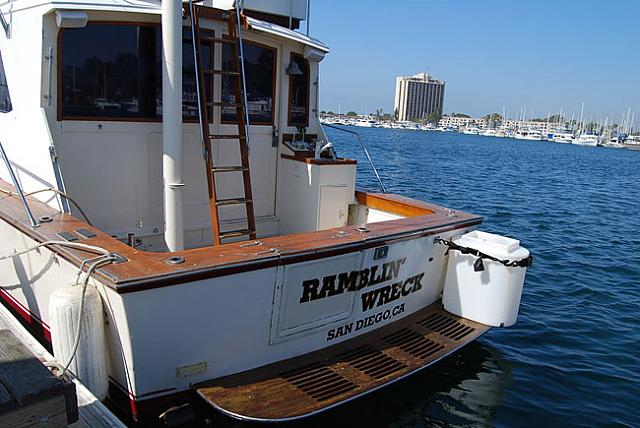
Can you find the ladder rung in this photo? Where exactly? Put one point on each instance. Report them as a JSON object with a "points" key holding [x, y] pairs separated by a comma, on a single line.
{"points": [[217, 40], [227, 137], [233, 201], [235, 233], [221, 72], [229, 169], [222, 104]]}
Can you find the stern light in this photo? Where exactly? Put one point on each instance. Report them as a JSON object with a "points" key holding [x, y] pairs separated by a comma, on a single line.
{"points": [[71, 19]]}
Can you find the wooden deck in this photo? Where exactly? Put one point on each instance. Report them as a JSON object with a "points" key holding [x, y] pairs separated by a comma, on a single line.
{"points": [[147, 270], [90, 412], [29, 393], [315, 382]]}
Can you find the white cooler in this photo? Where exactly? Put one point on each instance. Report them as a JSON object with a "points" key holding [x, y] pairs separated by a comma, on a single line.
{"points": [[491, 296]]}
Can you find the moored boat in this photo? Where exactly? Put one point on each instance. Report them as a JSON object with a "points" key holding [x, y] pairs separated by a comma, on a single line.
{"points": [[170, 159], [586, 140]]}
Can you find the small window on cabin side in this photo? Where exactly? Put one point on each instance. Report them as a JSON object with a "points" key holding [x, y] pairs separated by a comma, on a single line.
{"points": [[299, 93], [5, 99], [115, 71], [260, 66]]}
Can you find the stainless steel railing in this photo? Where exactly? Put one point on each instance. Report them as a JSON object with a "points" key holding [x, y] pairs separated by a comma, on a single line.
{"points": [[364, 148], [18, 187]]}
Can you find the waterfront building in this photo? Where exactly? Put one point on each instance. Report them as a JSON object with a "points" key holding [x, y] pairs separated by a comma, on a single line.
{"points": [[418, 96], [459, 122]]}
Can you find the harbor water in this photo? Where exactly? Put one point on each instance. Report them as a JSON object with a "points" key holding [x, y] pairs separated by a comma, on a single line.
{"points": [[573, 358]]}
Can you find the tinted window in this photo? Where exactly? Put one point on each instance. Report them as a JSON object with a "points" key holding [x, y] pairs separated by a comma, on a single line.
{"points": [[299, 93], [115, 71], [260, 68], [189, 91], [5, 99]]}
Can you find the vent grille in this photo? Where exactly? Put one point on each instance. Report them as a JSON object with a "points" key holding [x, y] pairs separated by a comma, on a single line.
{"points": [[372, 362], [413, 343], [318, 381], [446, 326]]}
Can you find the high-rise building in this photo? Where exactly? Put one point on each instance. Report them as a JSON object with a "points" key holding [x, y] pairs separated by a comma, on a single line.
{"points": [[418, 96]]}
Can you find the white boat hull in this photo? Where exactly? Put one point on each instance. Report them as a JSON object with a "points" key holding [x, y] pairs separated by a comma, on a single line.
{"points": [[162, 340]]}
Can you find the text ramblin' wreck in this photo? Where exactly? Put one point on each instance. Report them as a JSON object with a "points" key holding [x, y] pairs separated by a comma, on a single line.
{"points": [[358, 279]]}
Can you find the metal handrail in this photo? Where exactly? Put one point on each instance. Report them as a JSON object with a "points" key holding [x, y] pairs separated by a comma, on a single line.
{"points": [[5, 25], [239, 11], [32, 219], [192, 14], [364, 148]]}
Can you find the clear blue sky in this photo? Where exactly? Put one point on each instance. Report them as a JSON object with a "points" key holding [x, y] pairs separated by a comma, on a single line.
{"points": [[543, 55]]}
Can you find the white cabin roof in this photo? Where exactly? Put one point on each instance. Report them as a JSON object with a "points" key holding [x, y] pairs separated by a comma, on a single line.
{"points": [[277, 30], [148, 6]]}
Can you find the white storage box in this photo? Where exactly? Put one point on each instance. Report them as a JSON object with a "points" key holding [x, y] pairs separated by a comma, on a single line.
{"points": [[490, 296]]}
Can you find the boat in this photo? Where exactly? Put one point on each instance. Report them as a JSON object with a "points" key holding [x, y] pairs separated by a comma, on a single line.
{"points": [[615, 142], [528, 134], [563, 137], [206, 243], [471, 130], [632, 142], [582, 139], [490, 133], [365, 123]]}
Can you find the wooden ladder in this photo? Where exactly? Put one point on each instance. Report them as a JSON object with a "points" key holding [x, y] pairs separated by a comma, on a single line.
{"points": [[234, 39]]}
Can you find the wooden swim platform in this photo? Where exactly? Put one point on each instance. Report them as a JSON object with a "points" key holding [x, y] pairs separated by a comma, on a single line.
{"points": [[314, 382]]}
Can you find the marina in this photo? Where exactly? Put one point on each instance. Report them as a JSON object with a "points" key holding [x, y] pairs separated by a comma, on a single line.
{"points": [[513, 129], [574, 208], [187, 240], [183, 237]]}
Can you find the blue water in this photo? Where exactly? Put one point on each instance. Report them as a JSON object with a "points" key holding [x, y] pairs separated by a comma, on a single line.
{"points": [[573, 358]]}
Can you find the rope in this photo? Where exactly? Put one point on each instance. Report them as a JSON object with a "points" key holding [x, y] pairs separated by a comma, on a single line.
{"points": [[104, 257], [75, 245], [478, 266], [99, 261]]}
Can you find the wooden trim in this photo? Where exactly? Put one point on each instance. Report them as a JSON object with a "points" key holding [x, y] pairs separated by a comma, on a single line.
{"points": [[395, 204], [314, 161], [210, 13], [273, 86], [146, 270], [308, 72]]}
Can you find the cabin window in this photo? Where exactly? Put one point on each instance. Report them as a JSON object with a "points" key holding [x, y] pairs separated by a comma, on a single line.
{"points": [[5, 99], [299, 93], [114, 71], [260, 68]]}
